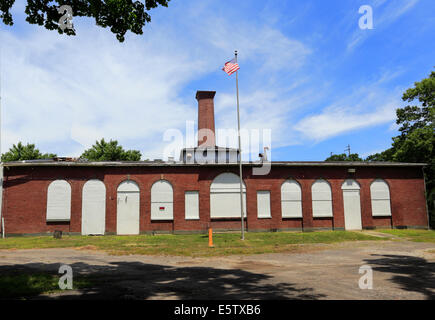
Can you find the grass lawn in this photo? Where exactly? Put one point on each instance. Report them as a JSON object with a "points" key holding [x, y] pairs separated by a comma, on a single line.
{"points": [[188, 245], [412, 234]]}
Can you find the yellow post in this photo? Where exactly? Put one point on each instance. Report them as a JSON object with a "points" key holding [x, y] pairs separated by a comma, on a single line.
{"points": [[210, 237]]}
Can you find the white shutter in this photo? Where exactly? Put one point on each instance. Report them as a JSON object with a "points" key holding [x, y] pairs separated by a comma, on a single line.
{"points": [[291, 199], [263, 204], [322, 199], [380, 195], [162, 201], [225, 196], [191, 205], [59, 201]]}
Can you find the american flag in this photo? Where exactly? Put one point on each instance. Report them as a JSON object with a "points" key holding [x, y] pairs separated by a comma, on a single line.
{"points": [[231, 66]]}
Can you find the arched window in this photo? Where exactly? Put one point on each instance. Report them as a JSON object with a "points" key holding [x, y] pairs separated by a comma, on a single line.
{"points": [[322, 198], [380, 194], [225, 196], [162, 201], [291, 199], [59, 201]]}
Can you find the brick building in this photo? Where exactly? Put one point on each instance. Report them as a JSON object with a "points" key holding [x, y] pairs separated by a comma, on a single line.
{"points": [[80, 197]]}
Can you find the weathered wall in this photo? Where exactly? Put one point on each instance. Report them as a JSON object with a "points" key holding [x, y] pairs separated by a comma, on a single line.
{"points": [[25, 196]]}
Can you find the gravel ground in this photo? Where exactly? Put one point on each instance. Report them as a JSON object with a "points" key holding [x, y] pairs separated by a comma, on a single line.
{"points": [[401, 270]]}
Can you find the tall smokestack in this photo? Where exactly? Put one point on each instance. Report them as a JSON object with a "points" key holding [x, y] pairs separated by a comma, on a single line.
{"points": [[206, 133]]}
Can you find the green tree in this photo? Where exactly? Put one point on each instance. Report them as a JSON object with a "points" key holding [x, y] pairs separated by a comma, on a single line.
{"points": [[386, 155], [110, 151], [344, 157], [118, 15], [416, 140], [24, 152]]}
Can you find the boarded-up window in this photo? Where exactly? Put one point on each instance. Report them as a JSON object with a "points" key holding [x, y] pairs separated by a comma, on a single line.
{"points": [[291, 199], [322, 198], [191, 205], [380, 194], [162, 201], [59, 201], [263, 204], [225, 196]]}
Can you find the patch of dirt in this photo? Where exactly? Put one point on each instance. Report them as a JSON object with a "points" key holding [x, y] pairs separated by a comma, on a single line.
{"points": [[88, 247], [256, 265]]}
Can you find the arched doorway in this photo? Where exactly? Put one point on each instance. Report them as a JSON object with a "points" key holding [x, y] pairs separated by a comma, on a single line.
{"points": [[352, 205], [94, 207], [127, 217]]}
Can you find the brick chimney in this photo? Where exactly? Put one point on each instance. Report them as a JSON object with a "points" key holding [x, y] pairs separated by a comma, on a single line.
{"points": [[206, 133]]}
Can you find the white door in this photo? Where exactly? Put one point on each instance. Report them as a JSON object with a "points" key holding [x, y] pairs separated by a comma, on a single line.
{"points": [[352, 205], [94, 207], [127, 218]]}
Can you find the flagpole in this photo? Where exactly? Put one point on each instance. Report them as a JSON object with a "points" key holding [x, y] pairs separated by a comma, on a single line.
{"points": [[240, 153]]}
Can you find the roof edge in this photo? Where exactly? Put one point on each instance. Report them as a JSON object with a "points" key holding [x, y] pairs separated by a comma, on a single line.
{"points": [[180, 164]]}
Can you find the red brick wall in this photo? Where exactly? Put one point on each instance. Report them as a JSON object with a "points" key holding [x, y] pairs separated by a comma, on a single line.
{"points": [[25, 196]]}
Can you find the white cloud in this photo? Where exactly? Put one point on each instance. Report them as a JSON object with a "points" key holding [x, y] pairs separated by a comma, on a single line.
{"points": [[363, 108], [90, 86], [63, 93], [335, 121]]}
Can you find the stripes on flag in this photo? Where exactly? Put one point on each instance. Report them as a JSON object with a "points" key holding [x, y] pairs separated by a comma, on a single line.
{"points": [[231, 66]]}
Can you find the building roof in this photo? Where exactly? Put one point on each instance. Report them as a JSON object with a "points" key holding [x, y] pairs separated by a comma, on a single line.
{"points": [[52, 163], [210, 148]]}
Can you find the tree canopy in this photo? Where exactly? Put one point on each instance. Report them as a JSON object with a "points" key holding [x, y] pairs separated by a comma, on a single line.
{"points": [[417, 139], [344, 157], [110, 151], [20, 152], [118, 15]]}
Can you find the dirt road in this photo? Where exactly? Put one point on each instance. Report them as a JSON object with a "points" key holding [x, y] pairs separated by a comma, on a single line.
{"points": [[401, 270]]}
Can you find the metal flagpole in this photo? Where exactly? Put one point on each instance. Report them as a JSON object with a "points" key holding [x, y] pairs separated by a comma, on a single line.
{"points": [[240, 153]]}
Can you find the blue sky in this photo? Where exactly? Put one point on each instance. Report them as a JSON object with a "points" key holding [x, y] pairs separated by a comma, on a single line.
{"points": [[308, 74]]}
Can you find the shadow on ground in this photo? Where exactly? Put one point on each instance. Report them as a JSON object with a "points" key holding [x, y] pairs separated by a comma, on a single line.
{"points": [[136, 280], [411, 273]]}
